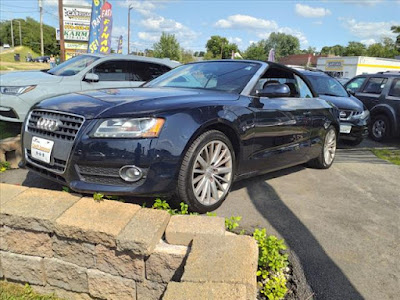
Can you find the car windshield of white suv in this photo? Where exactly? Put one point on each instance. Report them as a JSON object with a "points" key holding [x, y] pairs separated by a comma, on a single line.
{"points": [[73, 66], [328, 86], [221, 76]]}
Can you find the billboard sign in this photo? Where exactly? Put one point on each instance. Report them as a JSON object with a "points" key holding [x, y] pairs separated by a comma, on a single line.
{"points": [[76, 23]]}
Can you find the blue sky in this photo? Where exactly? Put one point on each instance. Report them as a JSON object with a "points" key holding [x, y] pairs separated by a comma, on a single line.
{"points": [[315, 23]]}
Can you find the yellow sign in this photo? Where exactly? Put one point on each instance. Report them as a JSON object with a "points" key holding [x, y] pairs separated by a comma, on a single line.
{"points": [[334, 65]]}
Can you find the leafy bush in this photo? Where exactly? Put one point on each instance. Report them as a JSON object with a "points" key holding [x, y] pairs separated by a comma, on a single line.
{"points": [[11, 291], [232, 222], [271, 265], [98, 197], [4, 165]]}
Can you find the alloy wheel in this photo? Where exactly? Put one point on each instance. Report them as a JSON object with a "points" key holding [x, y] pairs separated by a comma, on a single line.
{"points": [[212, 173], [330, 147], [379, 128]]}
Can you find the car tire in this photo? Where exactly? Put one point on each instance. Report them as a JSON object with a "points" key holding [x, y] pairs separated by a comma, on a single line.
{"points": [[328, 152], [355, 142], [379, 128], [207, 172]]}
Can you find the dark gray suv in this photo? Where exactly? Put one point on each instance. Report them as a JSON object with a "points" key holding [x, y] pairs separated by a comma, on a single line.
{"points": [[380, 93]]}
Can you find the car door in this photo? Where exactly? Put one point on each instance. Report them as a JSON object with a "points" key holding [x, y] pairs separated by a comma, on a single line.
{"points": [[371, 92], [355, 84], [112, 74], [282, 127], [393, 99]]}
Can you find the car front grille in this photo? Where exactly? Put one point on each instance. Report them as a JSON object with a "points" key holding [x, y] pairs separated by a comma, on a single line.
{"points": [[68, 128], [347, 114]]}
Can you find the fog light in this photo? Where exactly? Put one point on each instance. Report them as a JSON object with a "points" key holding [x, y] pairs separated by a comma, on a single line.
{"points": [[130, 173]]}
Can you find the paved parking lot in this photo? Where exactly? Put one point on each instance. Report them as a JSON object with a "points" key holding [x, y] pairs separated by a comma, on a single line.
{"points": [[343, 223]]}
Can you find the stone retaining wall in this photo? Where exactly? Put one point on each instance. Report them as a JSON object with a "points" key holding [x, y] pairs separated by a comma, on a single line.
{"points": [[78, 248]]}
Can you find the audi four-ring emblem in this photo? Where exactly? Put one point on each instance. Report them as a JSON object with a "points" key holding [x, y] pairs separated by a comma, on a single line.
{"points": [[48, 124]]}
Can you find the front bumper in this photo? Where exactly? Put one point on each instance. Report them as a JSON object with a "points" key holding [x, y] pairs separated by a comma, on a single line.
{"points": [[89, 165], [13, 108], [359, 129]]}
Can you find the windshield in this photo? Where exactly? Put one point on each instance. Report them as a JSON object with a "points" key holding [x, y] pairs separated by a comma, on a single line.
{"points": [[73, 66], [327, 86], [231, 76]]}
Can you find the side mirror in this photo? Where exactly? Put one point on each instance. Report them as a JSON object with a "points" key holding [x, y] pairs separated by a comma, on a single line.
{"points": [[351, 92], [275, 91], [91, 77]]}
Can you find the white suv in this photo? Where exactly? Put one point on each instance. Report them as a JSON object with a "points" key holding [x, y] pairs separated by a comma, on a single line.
{"points": [[19, 91]]}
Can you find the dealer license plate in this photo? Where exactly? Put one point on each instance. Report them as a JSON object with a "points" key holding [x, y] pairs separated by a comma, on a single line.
{"points": [[41, 149], [345, 128]]}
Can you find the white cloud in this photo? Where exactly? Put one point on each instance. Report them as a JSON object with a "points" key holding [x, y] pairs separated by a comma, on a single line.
{"points": [[311, 12], [368, 30], [368, 41], [149, 36], [261, 27], [145, 8], [66, 3], [363, 2], [318, 22], [238, 41], [246, 22]]}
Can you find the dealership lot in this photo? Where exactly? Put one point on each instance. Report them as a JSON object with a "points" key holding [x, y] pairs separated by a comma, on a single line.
{"points": [[343, 223]]}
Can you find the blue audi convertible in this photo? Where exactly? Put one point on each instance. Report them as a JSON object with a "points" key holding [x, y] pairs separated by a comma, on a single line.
{"points": [[189, 133]]}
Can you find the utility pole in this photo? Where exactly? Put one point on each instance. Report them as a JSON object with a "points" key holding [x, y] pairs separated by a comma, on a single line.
{"points": [[12, 34], [41, 28], [61, 20], [20, 36], [129, 28]]}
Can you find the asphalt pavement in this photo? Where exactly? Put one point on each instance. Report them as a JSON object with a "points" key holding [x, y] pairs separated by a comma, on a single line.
{"points": [[343, 223]]}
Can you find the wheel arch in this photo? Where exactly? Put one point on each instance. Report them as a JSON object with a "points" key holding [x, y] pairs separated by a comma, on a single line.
{"points": [[389, 112], [223, 126]]}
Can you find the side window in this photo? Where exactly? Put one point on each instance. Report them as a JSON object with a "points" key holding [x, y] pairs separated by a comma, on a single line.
{"points": [[395, 88], [303, 88], [355, 84], [375, 85], [116, 70], [144, 71]]}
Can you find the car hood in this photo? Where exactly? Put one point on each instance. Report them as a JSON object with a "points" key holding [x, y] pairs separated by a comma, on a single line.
{"points": [[346, 103], [112, 103], [28, 78]]}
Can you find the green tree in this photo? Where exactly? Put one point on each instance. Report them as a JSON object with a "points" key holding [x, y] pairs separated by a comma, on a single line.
{"points": [[355, 49], [30, 31], [337, 50], [256, 51], [219, 47], [187, 56], [396, 29], [284, 44], [167, 47]]}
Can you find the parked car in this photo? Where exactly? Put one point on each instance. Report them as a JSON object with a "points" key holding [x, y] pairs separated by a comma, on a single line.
{"points": [[190, 132], [380, 93], [343, 80], [21, 90], [6, 46], [354, 116], [42, 59]]}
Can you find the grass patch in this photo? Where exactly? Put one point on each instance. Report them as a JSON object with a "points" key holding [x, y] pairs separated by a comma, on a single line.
{"points": [[9, 129], [8, 55], [7, 62], [11, 291], [392, 156]]}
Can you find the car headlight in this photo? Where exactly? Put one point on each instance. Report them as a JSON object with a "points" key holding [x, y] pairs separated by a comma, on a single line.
{"points": [[16, 90], [129, 128], [363, 115]]}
